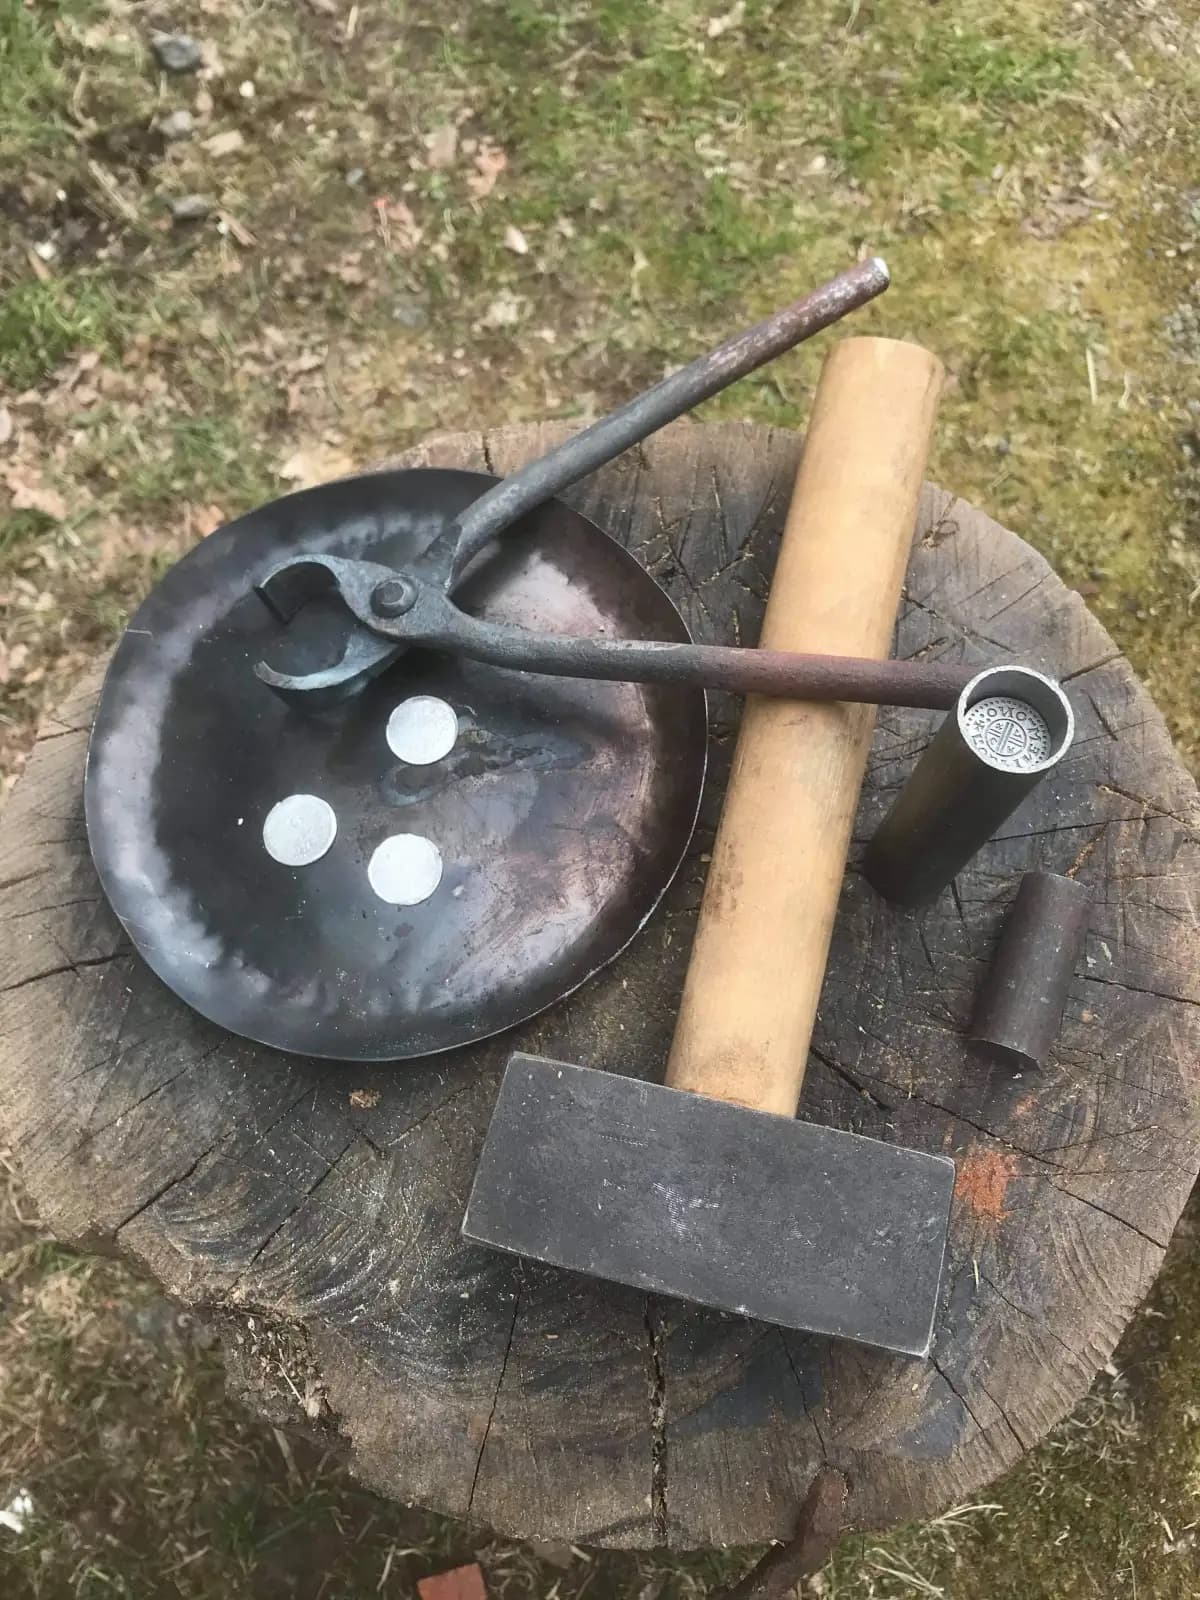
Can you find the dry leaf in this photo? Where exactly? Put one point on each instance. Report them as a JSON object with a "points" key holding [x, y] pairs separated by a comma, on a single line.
{"points": [[316, 465], [348, 269], [505, 311], [719, 25], [12, 660], [398, 226], [228, 223], [213, 66], [515, 241], [490, 162], [224, 144], [29, 493], [40, 270], [202, 520], [442, 146]]}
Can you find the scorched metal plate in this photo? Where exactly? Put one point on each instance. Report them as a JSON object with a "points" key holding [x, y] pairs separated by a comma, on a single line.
{"points": [[548, 832]]}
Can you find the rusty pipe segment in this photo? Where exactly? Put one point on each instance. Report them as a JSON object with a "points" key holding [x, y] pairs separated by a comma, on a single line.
{"points": [[1008, 729], [464, 533]]}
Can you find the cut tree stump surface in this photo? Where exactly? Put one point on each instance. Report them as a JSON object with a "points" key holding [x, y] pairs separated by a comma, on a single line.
{"points": [[312, 1210]]}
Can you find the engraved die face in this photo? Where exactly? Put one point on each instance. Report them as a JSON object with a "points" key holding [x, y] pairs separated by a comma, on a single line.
{"points": [[1008, 733]]}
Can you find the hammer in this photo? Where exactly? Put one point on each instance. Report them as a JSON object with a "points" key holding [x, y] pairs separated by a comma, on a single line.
{"points": [[708, 1188]]}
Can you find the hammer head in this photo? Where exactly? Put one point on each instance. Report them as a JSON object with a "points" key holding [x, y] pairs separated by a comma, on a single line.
{"points": [[759, 1215]]}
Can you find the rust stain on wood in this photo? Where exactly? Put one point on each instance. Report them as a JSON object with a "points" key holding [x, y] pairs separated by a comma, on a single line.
{"points": [[983, 1181]]}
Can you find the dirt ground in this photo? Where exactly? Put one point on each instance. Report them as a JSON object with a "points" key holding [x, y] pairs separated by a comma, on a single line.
{"points": [[317, 231]]}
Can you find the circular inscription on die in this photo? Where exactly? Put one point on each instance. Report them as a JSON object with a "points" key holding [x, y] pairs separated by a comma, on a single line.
{"points": [[1008, 733]]}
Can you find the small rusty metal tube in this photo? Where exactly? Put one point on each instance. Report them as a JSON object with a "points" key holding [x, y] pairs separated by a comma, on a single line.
{"points": [[1010, 726], [1019, 1009], [677, 393]]}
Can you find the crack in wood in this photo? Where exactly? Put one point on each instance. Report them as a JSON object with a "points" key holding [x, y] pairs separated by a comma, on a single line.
{"points": [[1153, 808], [1159, 1244], [1024, 595], [1040, 1323], [959, 1396], [1133, 988], [44, 737], [487, 1430], [68, 966], [164, 1189], [61, 905], [279, 1227], [1094, 666], [1086, 850], [425, 1116], [1023, 1444], [849, 1079], [808, 1411], [22, 877], [87, 1135], [658, 1426]]}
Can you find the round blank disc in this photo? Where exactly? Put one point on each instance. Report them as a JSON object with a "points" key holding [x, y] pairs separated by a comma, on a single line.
{"points": [[299, 830], [405, 869], [422, 730]]}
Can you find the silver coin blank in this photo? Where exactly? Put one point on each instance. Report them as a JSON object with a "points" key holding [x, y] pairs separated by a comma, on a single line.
{"points": [[422, 730], [1008, 733], [405, 869], [299, 830]]}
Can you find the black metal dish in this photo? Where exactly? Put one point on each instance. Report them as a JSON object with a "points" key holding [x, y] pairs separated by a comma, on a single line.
{"points": [[561, 814]]}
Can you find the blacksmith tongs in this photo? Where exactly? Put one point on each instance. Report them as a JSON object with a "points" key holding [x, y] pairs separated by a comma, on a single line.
{"points": [[399, 608]]}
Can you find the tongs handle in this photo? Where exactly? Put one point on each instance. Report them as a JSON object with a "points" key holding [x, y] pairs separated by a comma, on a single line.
{"points": [[501, 506]]}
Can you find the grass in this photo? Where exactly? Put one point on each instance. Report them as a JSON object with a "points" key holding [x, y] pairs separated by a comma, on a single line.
{"points": [[31, 75], [1028, 168], [42, 323]]}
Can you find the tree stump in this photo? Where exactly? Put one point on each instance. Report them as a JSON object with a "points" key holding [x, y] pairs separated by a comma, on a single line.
{"points": [[312, 1210]]}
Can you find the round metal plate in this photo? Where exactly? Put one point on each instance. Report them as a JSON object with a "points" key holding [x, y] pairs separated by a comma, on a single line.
{"points": [[560, 815]]}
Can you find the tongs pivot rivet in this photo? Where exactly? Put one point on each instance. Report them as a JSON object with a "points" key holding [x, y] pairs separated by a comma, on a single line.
{"points": [[393, 597]]}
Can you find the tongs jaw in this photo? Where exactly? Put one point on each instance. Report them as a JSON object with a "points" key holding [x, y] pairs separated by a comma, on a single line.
{"points": [[391, 610], [285, 591]]}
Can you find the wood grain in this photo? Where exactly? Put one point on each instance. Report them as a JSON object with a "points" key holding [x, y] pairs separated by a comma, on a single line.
{"points": [[321, 1235]]}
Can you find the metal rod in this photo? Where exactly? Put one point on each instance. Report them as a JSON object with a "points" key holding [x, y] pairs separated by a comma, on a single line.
{"points": [[1010, 726], [680, 392]]}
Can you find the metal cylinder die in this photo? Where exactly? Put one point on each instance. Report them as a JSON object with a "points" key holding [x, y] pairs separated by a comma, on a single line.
{"points": [[1019, 1008], [1010, 726]]}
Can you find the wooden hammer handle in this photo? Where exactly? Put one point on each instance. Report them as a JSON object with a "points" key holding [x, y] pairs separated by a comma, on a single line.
{"points": [[762, 940]]}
